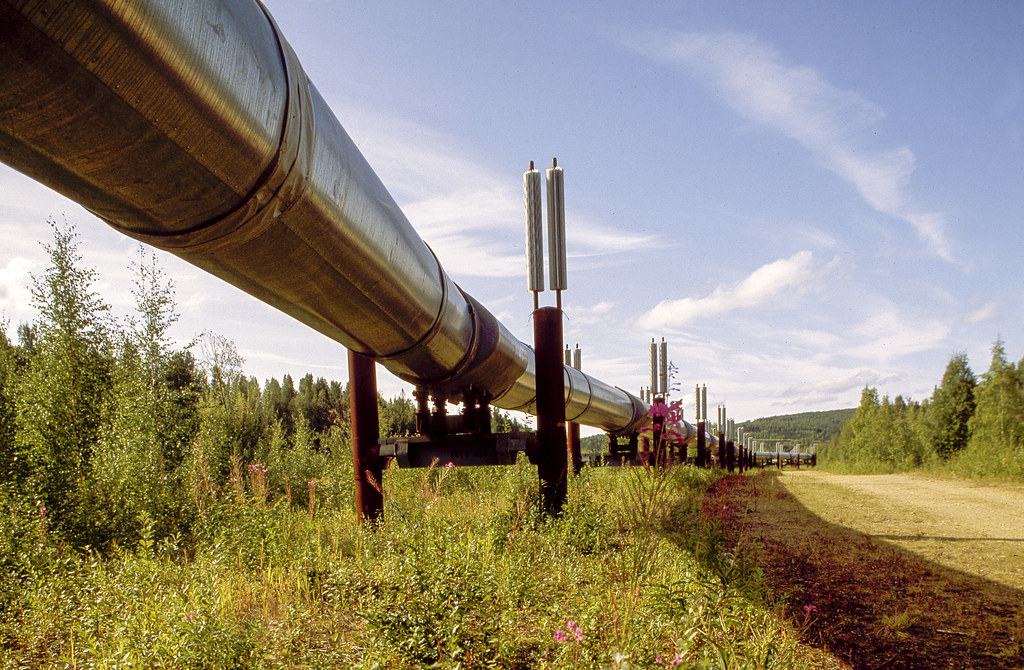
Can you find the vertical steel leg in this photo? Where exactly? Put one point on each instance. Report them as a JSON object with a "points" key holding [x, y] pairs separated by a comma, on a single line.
{"points": [[553, 461], [702, 448], [573, 430], [365, 435]]}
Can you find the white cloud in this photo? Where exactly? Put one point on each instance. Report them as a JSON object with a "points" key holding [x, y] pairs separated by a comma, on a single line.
{"points": [[983, 313], [797, 101], [791, 276], [15, 293], [586, 315]]}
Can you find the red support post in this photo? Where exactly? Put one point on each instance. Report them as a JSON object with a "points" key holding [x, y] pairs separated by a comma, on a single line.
{"points": [[362, 390], [702, 449], [573, 431], [552, 459]]}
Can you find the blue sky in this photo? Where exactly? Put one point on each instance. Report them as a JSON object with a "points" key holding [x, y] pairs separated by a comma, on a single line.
{"points": [[803, 198]]}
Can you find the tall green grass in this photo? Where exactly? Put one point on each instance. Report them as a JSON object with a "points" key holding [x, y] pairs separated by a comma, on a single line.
{"points": [[463, 572]]}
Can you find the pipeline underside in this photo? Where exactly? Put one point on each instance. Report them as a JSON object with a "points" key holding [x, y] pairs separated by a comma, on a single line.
{"points": [[191, 126]]}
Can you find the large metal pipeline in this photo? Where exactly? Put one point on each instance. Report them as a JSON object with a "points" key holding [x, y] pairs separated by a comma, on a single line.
{"points": [[191, 126]]}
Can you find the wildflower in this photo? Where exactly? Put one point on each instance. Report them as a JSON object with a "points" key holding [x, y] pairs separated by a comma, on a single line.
{"points": [[42, 511], [810, 609], [572, 632], [449, 464]]}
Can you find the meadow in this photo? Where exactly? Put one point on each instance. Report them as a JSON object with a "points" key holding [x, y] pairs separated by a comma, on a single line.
{"points": [[463, 571]]}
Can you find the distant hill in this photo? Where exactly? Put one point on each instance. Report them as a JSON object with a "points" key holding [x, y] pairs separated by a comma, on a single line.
{"points": [[805, 428]]}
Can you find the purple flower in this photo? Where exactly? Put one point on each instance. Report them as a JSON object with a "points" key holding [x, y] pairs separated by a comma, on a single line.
{"points": [[810, 609], [572, 631]]}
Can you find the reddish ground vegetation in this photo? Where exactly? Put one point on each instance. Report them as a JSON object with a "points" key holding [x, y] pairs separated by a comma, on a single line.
{"points": [[865, 601]]}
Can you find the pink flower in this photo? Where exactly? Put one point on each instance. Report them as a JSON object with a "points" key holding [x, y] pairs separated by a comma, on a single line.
{"points": [[449, 464], [810, 609], [571, 632]]}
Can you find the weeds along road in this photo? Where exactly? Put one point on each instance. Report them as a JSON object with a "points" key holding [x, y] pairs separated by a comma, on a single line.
{"points": [[888, 571], [973, 527]]}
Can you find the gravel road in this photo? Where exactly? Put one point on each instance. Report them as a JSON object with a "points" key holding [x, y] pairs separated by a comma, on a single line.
{"points": [[974, 527]]}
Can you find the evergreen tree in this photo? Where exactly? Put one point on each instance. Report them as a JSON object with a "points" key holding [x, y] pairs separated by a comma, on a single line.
{"points": [[286, 405], [397, 416], [952, 407], [997, 427]]}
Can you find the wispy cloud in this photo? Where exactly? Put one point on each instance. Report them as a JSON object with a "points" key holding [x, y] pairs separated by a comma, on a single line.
{"points": [[470, 216], [983, 313], [799, 102], [889, 333], [791, 275]]}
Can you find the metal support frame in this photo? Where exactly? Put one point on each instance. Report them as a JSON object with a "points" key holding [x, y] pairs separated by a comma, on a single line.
{"points": [[463, 439], [367, 463], [618, 452]]}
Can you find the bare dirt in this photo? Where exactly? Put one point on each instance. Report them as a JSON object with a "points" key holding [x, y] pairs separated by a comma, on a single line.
{"points": [[889, 571]]}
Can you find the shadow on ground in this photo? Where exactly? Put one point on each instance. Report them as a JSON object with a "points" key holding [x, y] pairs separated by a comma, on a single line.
{"points": [[868, 602]]}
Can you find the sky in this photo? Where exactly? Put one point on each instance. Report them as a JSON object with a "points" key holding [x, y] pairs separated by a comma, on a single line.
{"points": [[802, 198]]}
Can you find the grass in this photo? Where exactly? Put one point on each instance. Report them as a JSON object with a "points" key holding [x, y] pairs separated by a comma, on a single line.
{"points": [[463, 572]]}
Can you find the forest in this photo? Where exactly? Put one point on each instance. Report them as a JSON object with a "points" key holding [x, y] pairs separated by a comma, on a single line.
{"points": [[111, 433], [805, 428], [970, 426]]}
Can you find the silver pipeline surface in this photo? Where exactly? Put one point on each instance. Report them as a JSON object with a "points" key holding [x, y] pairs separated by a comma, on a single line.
{"points": [[191, 126]]}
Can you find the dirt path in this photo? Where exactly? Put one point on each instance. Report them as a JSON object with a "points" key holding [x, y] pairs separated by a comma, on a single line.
{"points": [[977, 528], [891, 571]]}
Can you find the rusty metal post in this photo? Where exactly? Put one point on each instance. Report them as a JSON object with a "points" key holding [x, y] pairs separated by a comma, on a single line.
{"points": [[552, 459], [573, 430], [368, 469], [702, 449]]}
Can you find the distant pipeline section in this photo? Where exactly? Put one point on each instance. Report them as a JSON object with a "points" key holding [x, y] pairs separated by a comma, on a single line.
{"points": [[191, 126]]}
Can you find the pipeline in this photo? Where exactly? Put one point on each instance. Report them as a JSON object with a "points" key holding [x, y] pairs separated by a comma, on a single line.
{"points": [[191, 126]]}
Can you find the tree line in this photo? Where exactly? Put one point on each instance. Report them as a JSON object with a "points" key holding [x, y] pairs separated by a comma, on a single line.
{"points": [[113, 434], [970, 425]]}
